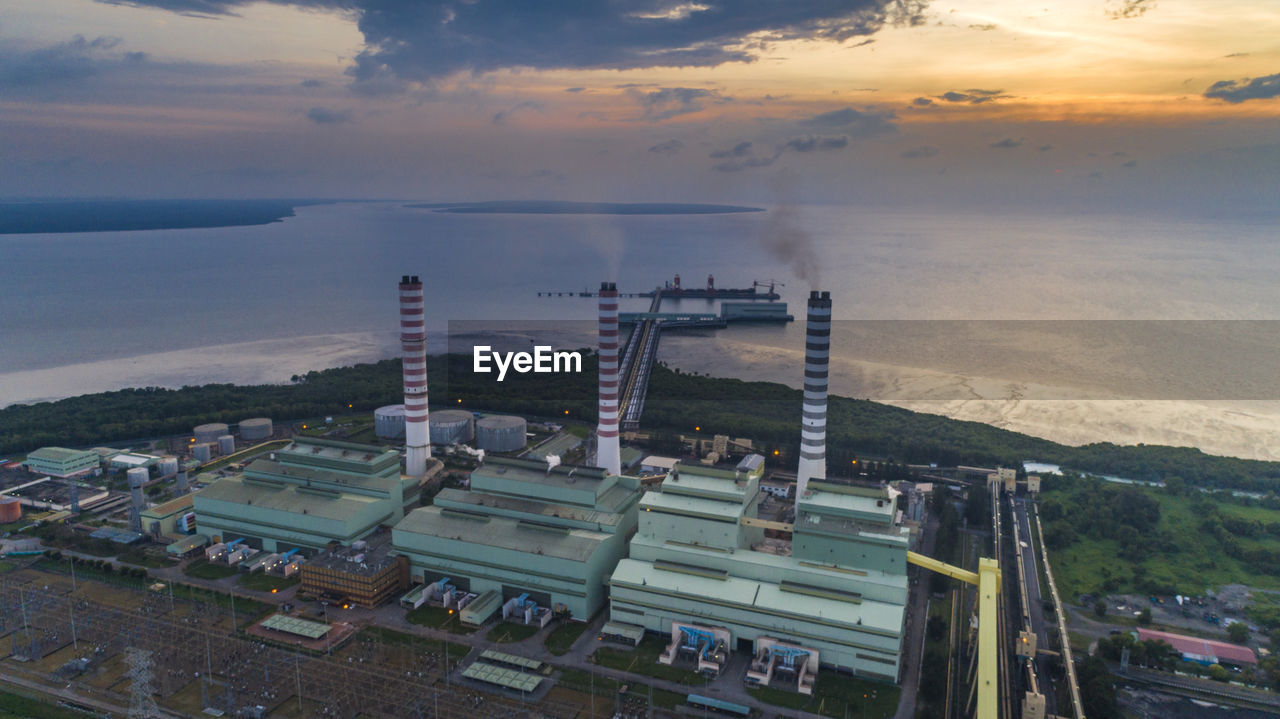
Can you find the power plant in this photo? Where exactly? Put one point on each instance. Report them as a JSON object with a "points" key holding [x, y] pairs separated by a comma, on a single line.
{"points": [[413, 345], [817, 354], [608, 453]]}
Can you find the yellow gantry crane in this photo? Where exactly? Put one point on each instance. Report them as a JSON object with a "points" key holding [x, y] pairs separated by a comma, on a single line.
{"points": [[987, 580]]}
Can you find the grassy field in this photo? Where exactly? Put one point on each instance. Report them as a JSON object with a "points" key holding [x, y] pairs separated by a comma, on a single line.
{"points": [[143, 558], [561, 639], [204, 569], [418, 644], [837, 695], [1094, 565], [19, 706], [644, 660], [506, 632], [438, 618], [263, 582]]}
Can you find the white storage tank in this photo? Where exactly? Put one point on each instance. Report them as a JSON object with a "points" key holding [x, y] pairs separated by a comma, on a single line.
{"points": [[256, 429], [452, 426], [208, 433], [168, 466], [388, 422], [500, 433], [202, 452], [226, 445]]}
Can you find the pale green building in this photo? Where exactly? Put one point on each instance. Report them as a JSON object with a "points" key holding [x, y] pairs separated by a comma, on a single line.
{"points": [[308, 494], [553, 533], [701, 558], [62, 462]]}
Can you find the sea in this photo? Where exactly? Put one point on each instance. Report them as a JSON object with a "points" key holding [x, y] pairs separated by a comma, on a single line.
{"points": [[1078, 327]]}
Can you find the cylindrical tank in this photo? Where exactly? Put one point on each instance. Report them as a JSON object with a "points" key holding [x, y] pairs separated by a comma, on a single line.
{"points": [[206, 433], [388, 422], [10, 509], [168, 466], [452, 426], [256, 429], [180, 485], [226, 445], [500, 433], [202, 452]]}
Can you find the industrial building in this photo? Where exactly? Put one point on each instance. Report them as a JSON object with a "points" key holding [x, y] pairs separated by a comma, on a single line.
{"points": [[501, 433], [170, 519], [388, 421], [365, 573], [1203, 651], [256, 429], [61, 462], [701, 562], [551, 533], [703, 572], [452, 426], [209, 433], [308, 494]]}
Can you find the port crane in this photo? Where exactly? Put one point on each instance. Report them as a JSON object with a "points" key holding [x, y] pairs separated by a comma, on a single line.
{"points": [[771, 283]]}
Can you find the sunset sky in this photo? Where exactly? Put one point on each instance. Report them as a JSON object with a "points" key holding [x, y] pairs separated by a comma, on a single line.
{"points": [[1106, 104]]}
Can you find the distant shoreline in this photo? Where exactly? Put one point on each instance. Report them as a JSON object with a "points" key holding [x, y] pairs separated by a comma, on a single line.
{"points": [[538, 207], [65, 216]]}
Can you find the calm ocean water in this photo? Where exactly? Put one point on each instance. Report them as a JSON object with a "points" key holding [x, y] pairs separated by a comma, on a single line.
{"points": [[71, 299]]}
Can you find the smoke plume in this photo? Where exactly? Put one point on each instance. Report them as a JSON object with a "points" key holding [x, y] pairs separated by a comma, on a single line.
{"points": [[786, 241]]}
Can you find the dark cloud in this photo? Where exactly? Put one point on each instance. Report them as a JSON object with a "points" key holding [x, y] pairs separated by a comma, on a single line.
{"points": [[747, 163], [1130, 8], [919, 152], [325, 116], [855, 123], [501, 117], [670, 147], [1119, 153], [1236, 91], [973, 96], [65, 63], [1131, 163], [420, 40], [984, 28], [922, 102], [312, 83], [1044, 148], [668, 102], [809, 143], [574, 89], [1007, 143], [742, 149], [1237, 54]]}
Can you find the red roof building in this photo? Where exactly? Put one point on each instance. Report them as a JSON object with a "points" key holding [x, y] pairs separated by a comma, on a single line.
{"points": [[1203, 651]]}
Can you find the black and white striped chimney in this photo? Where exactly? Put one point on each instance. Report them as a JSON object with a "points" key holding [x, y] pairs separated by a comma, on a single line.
{"points": [[813, 429]]}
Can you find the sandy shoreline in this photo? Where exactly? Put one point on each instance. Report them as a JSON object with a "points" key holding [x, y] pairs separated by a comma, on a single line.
{"points": [[1239, 428]]}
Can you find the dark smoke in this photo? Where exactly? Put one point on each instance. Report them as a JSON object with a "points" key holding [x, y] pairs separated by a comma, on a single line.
{"points": [[786, 241]]}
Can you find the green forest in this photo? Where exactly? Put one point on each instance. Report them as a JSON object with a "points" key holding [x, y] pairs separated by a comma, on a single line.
{"points": [[768, 413]]}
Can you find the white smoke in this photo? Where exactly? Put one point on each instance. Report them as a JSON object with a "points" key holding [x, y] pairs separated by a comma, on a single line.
{"points": [[477, 453], [553, 460]]}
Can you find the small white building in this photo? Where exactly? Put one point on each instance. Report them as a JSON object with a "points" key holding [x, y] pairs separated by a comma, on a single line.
{"points": [[654, 464]]}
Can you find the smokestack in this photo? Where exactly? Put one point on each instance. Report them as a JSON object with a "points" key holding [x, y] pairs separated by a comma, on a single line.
{"points": [[138, 476], [608, 455], [413, 344], [813, 429]]}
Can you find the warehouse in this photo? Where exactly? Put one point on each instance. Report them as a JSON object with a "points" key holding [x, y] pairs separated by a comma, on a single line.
{"points": [[61, 462], [553, 533], [701, 564], [308, 494], [164, 520], [1203, 651]]}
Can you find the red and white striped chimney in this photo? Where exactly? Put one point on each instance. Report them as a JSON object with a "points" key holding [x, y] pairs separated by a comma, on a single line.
{"points": [[608, 455], [413, 345]]}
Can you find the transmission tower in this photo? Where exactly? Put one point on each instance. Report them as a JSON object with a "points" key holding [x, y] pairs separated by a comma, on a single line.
{"points": [[142, 705]]}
